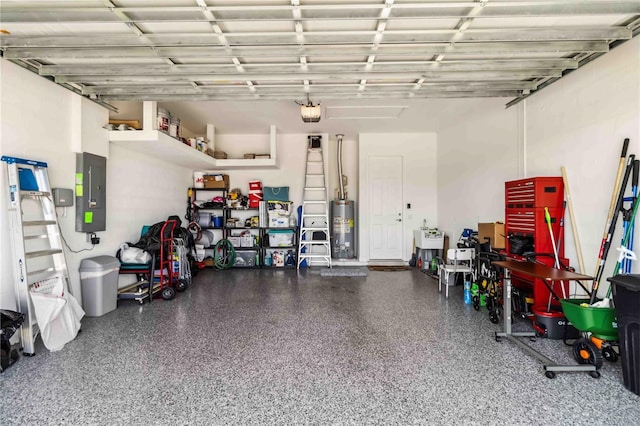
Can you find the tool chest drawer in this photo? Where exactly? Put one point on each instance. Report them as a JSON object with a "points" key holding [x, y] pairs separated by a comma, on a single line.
{"points": [[532, 223], [534, 192]]}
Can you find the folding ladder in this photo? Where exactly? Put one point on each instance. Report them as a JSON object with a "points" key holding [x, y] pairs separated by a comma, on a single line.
{"points": [[314, 244], [39, 259]]}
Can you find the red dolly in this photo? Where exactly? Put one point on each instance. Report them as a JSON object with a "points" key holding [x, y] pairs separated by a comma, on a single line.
{"points": [[166, 277]]}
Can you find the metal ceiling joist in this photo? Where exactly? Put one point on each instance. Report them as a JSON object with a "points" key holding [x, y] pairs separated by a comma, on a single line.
{"points": [[453, 75], [41, 12], [365, 95], [418, 49], [393, 66], [298, 90], [137, 31], [331, 49], [462, 25], [341, 37]]}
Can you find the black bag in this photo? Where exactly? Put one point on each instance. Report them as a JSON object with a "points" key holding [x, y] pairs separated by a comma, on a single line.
{"points": [[150, 241], [10, 322], [520, 245]]}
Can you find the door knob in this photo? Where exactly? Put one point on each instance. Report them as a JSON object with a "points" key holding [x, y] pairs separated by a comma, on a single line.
{"points": [[399, 220]]}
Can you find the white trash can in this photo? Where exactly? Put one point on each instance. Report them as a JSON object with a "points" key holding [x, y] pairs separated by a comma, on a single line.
{"points": [[99, 281]]}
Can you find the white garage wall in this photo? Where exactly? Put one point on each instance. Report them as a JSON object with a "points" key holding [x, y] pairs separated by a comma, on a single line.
{"points": [[419, 153], [349, 166], [36, 125], [580, 122], [43, 121], [477, 152], [291, 158]]}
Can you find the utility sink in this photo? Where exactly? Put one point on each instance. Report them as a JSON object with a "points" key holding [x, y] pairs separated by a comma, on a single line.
{"points": [[429, 238]]}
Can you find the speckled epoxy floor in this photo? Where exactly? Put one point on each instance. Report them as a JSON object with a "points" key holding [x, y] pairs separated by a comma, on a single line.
{"points": [[275, 347]]}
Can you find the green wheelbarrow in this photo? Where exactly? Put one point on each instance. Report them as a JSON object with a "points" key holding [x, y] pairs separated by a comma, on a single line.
{"points": [[599, 328]]}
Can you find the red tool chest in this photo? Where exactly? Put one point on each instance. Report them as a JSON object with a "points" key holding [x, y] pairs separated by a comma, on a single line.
{"points": [[525, 202]]}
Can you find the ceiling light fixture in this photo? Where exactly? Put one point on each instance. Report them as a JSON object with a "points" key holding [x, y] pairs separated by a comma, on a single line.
{"points": [[310, 112]]}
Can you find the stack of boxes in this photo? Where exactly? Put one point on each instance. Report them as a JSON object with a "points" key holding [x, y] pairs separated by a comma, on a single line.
{"points": [[255, 194]]}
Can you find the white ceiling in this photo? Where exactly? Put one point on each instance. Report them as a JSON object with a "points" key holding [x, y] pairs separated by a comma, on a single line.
{"points": [[429, 56], [416, 115], [332, 49]]}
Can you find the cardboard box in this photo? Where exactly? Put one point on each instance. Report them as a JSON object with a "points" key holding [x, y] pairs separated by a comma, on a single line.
{"points": [[216, 181], [494, 231], [220, 155], [131, 123]]}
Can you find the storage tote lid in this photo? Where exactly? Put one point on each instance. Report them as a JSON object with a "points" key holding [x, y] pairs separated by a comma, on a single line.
{"points": [[99, 263], [280, 231], [630, 281]]}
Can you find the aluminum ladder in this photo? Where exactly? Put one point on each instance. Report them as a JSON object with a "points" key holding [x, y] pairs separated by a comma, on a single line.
{"points": [[38, 255], [315, 212]]}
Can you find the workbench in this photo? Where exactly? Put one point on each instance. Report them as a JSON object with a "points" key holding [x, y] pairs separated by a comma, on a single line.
{"points": [[549, 275]]}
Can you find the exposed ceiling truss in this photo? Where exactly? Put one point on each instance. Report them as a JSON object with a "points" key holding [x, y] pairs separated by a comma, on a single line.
{"points": [[287, 49]]}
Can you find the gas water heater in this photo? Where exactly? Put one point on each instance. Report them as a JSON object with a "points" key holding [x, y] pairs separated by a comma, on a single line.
{"points": [[342, 218]]}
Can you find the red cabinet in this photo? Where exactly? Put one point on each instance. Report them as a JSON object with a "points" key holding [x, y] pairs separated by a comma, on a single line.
{"points": [[525, 202]]}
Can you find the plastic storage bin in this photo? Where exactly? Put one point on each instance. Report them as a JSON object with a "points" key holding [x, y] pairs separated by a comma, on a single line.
{"points": [[280, 238], [626, 298], [245, 259], [99, 281]]}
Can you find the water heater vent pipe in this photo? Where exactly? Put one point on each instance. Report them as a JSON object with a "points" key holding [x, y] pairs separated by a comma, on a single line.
{"points": [[340, 176]]}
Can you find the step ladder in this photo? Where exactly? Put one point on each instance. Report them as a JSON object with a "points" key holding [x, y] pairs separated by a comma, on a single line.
{"points": [[38, 255], [314, 244]]}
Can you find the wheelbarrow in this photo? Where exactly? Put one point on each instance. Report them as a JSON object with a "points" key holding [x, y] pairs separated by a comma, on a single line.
{"points": [[599, 328]]}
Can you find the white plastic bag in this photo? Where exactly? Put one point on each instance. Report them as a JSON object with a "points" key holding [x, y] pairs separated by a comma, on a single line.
{"points": [[58, 314], [133, 254]]}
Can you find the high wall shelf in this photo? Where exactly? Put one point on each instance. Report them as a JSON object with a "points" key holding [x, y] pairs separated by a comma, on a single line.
{"points": [[160, 145]]}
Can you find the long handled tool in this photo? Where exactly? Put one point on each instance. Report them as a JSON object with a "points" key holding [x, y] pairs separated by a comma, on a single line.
{"points": [[561, 226], [611, 222], [627, 236], [627, 242], [547, 218], [612, 204], [574, 226]]}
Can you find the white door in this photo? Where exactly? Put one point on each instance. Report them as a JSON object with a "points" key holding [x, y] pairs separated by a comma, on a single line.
{"points": [[385, 189]]}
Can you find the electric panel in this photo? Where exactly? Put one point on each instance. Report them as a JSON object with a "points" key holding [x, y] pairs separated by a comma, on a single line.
{"points": [[91, 180]]}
